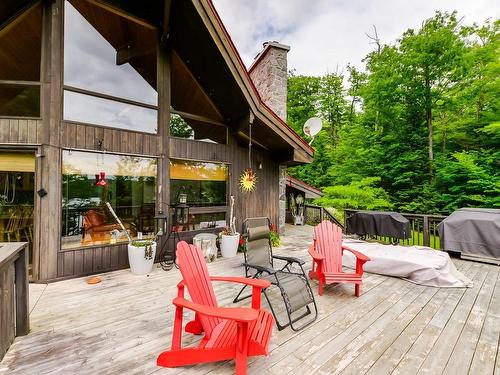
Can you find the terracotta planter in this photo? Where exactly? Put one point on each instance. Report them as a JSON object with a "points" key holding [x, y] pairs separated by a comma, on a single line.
{"points": [[229, 245], [139, 263]]}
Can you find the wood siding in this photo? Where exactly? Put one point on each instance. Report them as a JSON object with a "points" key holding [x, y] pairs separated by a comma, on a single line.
{"points": [[91, 137], [7, 308], [20, 131]]}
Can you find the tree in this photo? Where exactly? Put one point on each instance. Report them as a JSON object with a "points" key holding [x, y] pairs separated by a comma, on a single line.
{"points": [[432, 63]]}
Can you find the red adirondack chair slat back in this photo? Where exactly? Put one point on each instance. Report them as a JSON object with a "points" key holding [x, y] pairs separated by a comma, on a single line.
{"points": [[328, 242], [195, 275]]}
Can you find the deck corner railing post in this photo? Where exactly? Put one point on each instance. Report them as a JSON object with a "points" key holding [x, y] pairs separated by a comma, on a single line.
{"points": [[426, 234], [22, 293]]}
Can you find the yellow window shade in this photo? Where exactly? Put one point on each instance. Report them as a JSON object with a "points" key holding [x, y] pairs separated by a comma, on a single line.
{"points": [[17, 162], [188, 170]]}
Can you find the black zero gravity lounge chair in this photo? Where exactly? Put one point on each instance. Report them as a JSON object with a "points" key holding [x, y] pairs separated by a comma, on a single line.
{"points": [[295, 292]]}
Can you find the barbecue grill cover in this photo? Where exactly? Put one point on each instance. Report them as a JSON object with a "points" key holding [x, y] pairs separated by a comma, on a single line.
{"points": [[472, 230], [381, 223]]}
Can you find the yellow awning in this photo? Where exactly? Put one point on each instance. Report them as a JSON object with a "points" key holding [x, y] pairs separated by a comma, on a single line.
{"points": [[17, 162], [198, 171]]}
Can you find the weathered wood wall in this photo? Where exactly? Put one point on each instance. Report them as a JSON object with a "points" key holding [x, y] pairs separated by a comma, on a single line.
{"points": [[20, 131], [14, 300], [7, 308], [112, 140]]}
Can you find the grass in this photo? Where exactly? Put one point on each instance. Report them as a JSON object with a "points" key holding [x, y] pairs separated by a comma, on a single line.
{"points": [[417, 239]]}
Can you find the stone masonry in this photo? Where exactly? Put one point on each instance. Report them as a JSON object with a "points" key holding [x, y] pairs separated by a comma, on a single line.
{"points": [[269, 74]]}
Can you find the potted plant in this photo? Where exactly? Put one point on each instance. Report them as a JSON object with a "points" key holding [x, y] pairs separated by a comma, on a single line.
{"points": [[141, 253], [229, 238], [297, 209], [141, 256]]}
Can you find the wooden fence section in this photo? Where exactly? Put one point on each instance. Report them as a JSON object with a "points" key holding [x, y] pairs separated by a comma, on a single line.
{"points": [[14, 302], [424, 229], [316, 214]]}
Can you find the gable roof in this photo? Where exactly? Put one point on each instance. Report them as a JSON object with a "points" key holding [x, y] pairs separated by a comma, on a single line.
{"points": [[260, 108], [309, 190]]}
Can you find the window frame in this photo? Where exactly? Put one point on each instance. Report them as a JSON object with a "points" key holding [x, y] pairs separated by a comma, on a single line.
{"points": [[99, 95], [9, 82], [206, 209], [90, 151]]}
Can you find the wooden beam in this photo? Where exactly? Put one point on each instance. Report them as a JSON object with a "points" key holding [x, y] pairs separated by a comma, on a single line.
{"points": [[129, 52], [197, 118], [166, 21], [18, 17], [242, 123], [124, 14]]}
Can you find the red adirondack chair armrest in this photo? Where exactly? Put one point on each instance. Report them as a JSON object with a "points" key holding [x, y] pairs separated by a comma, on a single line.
{"points": [[258, 283], [238, 314], [362, 257], [316, 256]]}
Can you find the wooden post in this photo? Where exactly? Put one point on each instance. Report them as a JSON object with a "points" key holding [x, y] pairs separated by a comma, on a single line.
{"points": [[321, 213], [426, 234], [22, 293]]}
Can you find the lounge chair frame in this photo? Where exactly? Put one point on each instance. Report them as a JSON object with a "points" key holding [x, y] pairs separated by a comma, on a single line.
{"points": [[273, 275]]}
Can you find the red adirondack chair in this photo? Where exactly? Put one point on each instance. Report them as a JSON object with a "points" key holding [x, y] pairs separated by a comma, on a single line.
{"points": [[230, 333], [326, 252]]}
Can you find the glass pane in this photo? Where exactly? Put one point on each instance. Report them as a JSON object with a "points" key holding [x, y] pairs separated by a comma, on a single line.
{"points": [[109, 54], [19, 101], [128, 184], [20, 46], [197, 130], [17, 182], [204, 183], [202, 221], [90, 109]]}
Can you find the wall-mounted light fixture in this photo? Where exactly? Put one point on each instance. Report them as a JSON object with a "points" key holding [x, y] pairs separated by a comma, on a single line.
{"points": [[260, 165]]}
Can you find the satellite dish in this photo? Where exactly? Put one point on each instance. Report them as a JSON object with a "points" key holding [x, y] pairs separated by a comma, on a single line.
{"points": [[312, 127]]}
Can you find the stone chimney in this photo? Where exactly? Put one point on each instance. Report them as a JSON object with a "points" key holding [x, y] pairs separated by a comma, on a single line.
{"points": [[269, 74]]}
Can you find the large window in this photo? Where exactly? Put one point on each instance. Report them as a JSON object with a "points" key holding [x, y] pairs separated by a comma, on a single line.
{"points": [[20, 46], [90, 180], [205, 185], [109, 68]]}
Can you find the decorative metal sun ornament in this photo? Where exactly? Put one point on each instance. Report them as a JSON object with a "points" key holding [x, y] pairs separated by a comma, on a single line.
{"points": [[248, 180]]}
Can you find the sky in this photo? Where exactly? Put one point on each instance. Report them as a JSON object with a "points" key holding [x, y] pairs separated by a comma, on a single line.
{"points": [[326, 35]]}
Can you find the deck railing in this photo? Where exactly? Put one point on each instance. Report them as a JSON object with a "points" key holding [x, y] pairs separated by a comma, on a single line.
{"points": [[14, 302], [316, 214], [424, 230]]}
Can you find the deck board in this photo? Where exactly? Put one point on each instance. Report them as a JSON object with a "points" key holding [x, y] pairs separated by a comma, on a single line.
{"points": [[121, 324]]}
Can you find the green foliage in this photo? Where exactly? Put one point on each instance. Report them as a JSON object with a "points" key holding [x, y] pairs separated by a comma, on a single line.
{"points": [[363, 194], [418, 130], [274, 237], [179, 127]]}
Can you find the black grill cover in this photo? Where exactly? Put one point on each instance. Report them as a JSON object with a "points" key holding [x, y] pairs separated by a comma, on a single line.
{"points": [[472, 230], [379, 223]]}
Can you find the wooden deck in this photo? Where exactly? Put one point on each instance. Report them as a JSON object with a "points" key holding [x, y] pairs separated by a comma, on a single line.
{"points": [[120, 325]]}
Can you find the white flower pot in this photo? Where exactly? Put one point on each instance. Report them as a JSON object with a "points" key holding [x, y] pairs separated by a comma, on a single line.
{"points": [[229, 245], [298, 220], [139, 264]]}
